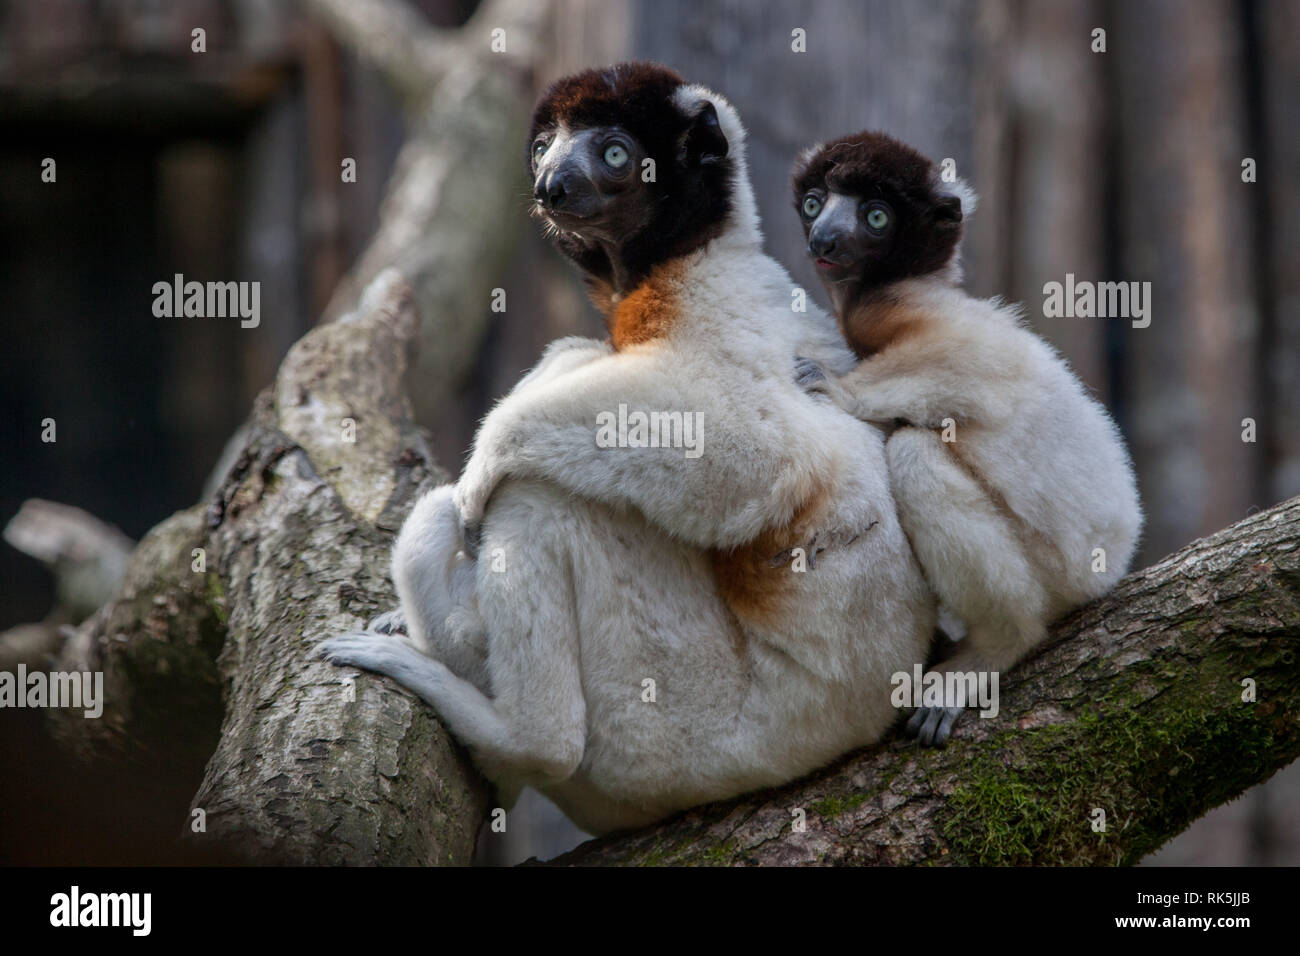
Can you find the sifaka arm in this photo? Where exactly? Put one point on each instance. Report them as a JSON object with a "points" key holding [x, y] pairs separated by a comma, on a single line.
{"points": [[961, 382], [719, 476]]}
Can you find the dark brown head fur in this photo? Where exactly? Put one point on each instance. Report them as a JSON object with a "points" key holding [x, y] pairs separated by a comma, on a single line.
{"points": [[924, 220], [686, 205]]}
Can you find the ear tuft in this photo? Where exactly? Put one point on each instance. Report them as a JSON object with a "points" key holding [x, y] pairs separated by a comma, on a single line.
{"points": [[947, 209], [804, 160], [703, 142], [960, 191]]}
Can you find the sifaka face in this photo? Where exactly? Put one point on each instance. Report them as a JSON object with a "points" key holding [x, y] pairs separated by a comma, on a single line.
{"points": [[874, 212], [625, 176]]}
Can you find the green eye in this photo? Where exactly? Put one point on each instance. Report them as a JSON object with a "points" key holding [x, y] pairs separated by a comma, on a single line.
{"points": [[811, 206], [539, 148], [616, 155], [877, 219]]}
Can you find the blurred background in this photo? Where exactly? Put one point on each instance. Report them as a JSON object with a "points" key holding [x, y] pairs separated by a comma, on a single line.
{"points": [[1163, 148]]}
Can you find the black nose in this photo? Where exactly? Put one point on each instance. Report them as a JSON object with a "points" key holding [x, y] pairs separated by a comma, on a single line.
{"points": [[554, 192], [821, 244]]}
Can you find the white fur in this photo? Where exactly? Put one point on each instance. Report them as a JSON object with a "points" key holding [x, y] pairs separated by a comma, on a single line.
{"points": [[604, 556], [1026, 429]]}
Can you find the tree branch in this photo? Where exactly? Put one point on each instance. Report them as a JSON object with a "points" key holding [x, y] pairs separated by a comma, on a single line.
{"points": [[206, 648], [456, 202], [87, 556], [391, 36], [1135, 708], [210, 642], [304, 771]]}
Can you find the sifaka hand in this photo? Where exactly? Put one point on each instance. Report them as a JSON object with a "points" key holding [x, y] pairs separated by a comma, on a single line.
{"points": [[808, 374], [473, 490], [932, 726], [471, 533], [813, 378]]}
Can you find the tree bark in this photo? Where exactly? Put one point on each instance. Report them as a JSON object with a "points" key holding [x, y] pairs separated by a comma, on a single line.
{"points": [[222, 607], [1134, 708], [87, 558], [308, 767], [207, 644]]}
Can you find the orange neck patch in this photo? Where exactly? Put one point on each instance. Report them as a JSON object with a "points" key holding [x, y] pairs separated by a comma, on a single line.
{"points": [[649, 311], [875, 325]]}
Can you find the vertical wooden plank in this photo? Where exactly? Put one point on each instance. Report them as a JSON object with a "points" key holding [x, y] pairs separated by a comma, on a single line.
{"points": [[1055, 208], [322, 83], [271, 250], [1190, 374], [987, 250], [1278, 27]]}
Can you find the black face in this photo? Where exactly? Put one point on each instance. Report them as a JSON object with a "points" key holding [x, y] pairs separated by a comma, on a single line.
{"points": [[590, 182], [872, 214], [624, 176], [846, 233]]}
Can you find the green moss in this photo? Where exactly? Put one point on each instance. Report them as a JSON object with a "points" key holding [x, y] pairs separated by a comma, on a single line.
{"points": [[996, 821], [1166, 758], [217, 597], [831, 807], [721, 855], [652, 857]]}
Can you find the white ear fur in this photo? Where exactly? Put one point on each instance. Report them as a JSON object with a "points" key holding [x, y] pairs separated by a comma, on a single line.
{"points": [[744, 226], [805, 156], [687, 99]]}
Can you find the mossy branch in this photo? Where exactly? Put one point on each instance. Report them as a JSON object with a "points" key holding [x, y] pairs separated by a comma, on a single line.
{"points": [[1166, 698]]}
